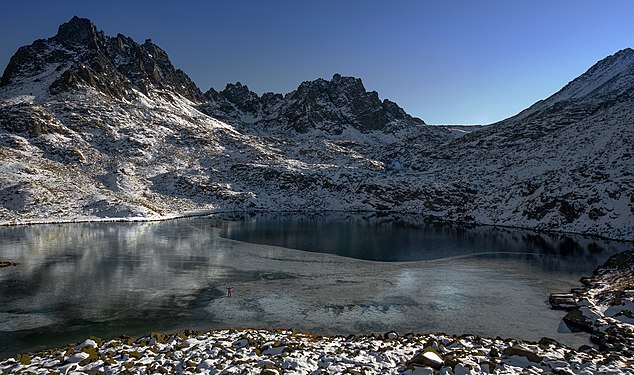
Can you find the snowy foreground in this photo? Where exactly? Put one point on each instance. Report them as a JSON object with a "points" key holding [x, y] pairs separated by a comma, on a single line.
{"points": [[252, 351], [605, 308]]}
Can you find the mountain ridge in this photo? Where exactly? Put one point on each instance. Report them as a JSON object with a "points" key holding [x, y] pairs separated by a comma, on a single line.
{"points": [[330, 105], [95, 127], [580, 91]]}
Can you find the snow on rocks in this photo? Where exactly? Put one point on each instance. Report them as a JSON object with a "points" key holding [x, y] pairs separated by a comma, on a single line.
{"points": [[607, 305], [289, 352]]}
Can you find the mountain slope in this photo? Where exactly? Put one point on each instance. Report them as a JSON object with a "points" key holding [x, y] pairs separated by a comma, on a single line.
{"points": [[93, 126], [87, 130], [606, 83], [566, 161]]}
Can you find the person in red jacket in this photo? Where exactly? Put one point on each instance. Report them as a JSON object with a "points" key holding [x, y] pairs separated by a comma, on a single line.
{"points": [[229, 290]]}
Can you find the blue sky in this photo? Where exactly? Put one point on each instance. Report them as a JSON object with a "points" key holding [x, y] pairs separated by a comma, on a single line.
{"points": [[447, 62]]}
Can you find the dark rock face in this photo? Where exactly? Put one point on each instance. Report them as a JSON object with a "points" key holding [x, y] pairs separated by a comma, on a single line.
{"points": [[325, 105], [234, 103], [112, 65], [79, 31]]}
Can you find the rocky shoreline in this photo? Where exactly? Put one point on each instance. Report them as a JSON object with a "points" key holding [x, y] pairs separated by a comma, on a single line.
{"points": [[606, 304], [603, 307]]}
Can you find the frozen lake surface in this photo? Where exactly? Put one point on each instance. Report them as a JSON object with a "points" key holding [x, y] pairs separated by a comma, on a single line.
{"points": [[325, 273]]}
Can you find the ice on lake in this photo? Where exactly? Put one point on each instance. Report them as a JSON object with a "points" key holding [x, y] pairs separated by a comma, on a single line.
{"points": [[375, 274]]}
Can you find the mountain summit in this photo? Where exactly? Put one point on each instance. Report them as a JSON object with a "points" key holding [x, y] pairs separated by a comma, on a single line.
{"points": [[79, 31], [80, 56], [330, 106]]}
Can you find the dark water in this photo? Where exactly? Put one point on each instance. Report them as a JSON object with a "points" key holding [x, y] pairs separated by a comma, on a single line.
{"points": [[400, 238], [108, 279]]}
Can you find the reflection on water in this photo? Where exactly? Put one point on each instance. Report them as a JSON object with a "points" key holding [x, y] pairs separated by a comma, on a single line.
{"points": [[107, 279], [399, 238]]}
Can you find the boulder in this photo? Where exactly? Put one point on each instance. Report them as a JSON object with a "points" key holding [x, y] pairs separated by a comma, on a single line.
{"points": [[581, 317], [562, 301], [390, 335], [521, 351], [428, 357]]}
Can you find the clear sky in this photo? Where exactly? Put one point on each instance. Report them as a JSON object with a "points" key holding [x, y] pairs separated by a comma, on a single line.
{"points": [[445, 61]]}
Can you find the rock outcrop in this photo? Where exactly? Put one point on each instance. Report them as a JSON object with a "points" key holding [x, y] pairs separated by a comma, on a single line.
{"points": [[330, 106], [80, 55]]}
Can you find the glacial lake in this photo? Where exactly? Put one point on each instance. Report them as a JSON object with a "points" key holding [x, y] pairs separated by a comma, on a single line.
{"points": [[328, 273]]}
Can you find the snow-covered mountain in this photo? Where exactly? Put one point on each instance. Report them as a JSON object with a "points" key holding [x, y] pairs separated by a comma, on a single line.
{"points": [[93, 126], [566, 161], [607, 83]]}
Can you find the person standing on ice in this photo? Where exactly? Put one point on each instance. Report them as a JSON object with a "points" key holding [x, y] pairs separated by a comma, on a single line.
{"points": [[229, 290]]}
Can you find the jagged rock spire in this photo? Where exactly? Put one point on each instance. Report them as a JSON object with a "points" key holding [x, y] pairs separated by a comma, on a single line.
{"points": [[80, 31]]}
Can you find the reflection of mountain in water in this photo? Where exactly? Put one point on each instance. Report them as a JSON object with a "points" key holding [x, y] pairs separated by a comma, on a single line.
{"points": [[72, 275], [397, 237]]}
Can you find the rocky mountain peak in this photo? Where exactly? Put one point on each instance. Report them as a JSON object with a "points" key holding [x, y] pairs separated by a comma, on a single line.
{"points": [[598, 75], [329, 106], [237, 91], [352, 84], [625, 52], [81, 56], [344, 101], [79, 31]]}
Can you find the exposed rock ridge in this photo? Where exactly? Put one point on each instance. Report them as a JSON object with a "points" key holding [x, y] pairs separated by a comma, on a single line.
{"points": [[80, 55], [331, 106]]}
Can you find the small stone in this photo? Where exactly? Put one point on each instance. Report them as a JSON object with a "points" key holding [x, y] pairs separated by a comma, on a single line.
{"points": [[581, 317], [417, 370], [92, 354], [24, 359], [390, 335], [127, 339], [78, 357], [159, 337], [461, 369], [546, 341], [562, 371], [522, 352], [562, 301], [494, 352], [97, 340], [241, 343], [87, 343]]}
